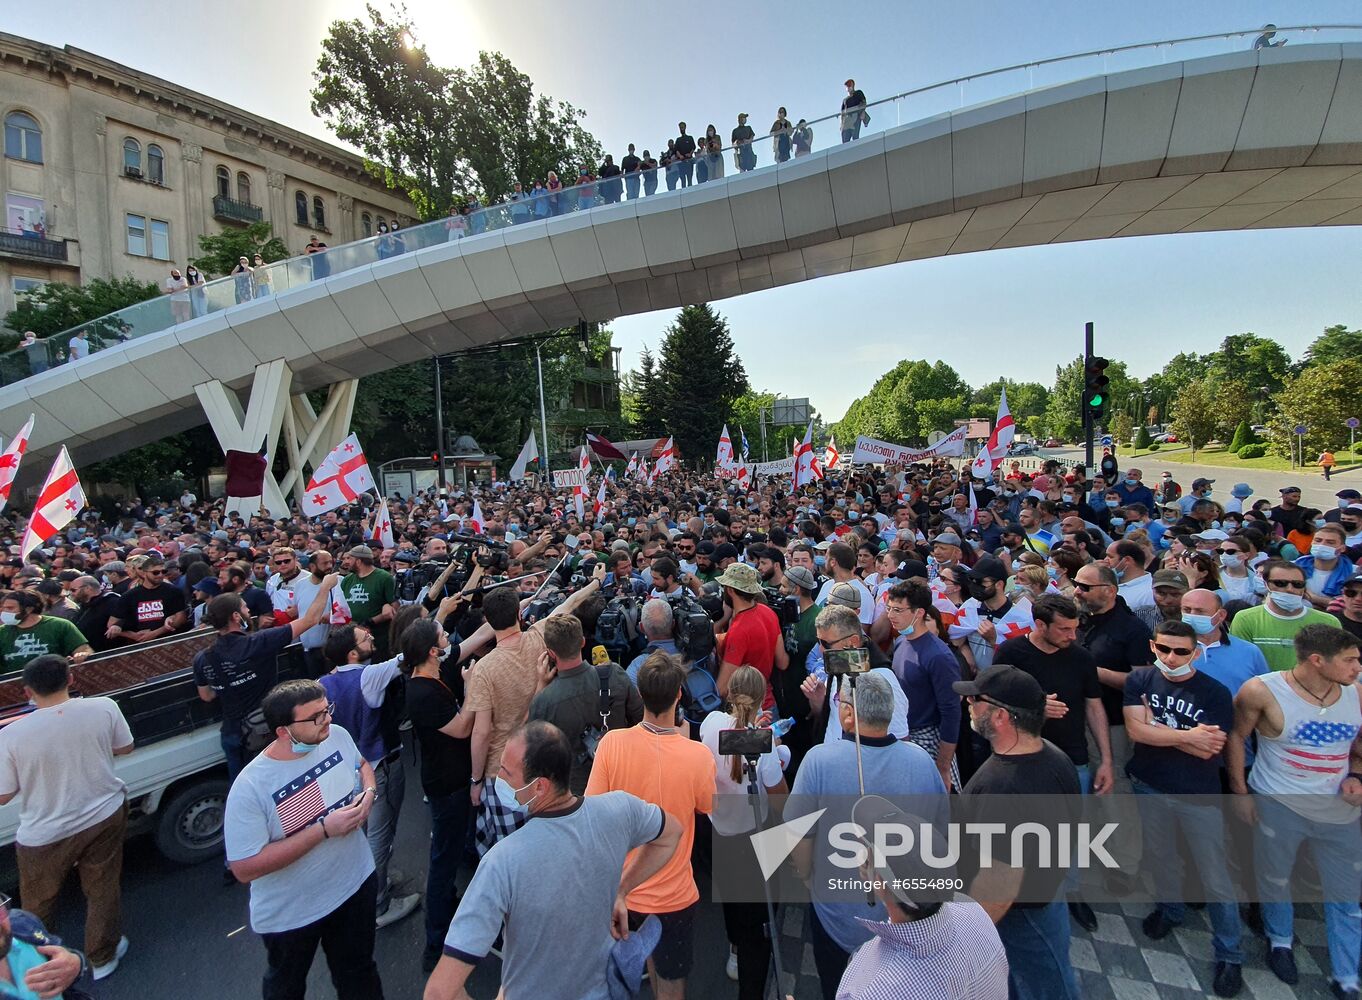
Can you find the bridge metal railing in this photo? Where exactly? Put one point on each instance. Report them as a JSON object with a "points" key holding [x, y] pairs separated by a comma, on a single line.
{"points": [[780, 142]]}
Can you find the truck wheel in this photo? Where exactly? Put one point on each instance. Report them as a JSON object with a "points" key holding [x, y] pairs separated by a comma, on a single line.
{"points": [[189, 824]]}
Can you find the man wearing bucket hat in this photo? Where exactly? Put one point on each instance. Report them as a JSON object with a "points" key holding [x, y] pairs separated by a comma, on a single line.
{"points": [[753, 636]]}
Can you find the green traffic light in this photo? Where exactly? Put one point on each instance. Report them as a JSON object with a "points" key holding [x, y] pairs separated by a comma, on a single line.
{"points": [[1095, 401]]}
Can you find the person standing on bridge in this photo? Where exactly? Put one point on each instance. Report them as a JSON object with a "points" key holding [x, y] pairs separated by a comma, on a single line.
{"points": [[684, 150], [853, 112]]}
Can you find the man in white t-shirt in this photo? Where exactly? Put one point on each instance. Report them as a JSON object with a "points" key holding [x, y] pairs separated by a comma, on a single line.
{"points": [[73, 813], [842, 567], [294, 830]]}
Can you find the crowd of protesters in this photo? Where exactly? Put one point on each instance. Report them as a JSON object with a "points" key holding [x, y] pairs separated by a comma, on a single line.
{"points": [[1035, 633]]}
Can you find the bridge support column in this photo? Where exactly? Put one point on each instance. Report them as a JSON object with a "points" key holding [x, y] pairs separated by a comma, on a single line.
{"points": [[275, 418]]}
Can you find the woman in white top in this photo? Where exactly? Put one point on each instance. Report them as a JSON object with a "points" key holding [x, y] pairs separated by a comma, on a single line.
{"points": [[733, 820], [1239, 581]]}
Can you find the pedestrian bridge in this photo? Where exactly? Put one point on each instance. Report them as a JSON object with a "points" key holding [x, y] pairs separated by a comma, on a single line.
{"points": [[1248, 139]]}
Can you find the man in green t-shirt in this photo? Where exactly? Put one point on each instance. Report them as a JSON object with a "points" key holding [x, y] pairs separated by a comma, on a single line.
{"points": [[372, 596], [26, 633], [1272, 625]]}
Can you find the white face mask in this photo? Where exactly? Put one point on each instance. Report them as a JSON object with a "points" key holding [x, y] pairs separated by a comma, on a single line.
{"points": [[8, 618], [1173, 673], [1320, 550]]}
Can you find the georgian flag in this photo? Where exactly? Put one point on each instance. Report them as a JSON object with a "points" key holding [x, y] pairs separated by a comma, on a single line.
{"points": [[9, 460], [831, 457], [645, 473], [600, 498], [632, 467], [529, 453], [744, 476], [339, 480], [666, 461], [992, 454], [723, 458], [58, 504], [804, 463], [383, 525], [474, 522]]}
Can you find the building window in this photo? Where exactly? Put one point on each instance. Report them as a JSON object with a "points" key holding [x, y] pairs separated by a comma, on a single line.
{"points": [[25, 214], [160, 239], [24, 285], [132, 158], [366, 224], [23, 138], [318, 212], [156, 164], [300, 208], [224, 179], [243, 187], [137, 235]]}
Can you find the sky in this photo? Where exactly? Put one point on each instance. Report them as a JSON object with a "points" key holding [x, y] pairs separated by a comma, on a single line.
{"points": [[1015, 313]]}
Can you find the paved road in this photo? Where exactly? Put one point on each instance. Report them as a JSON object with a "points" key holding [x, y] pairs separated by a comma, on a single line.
{"points": [[1315, 492]]}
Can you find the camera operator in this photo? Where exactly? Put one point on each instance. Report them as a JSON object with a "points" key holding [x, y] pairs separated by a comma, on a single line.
{"points": [[658, 625], [837, 619], [620, 578]]}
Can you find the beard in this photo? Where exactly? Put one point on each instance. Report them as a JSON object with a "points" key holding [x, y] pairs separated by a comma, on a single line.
{"points": [[983, 725]]}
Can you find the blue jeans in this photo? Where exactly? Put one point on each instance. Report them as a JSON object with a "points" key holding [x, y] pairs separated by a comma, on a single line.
{"points": [[1203, 828], [1337, 852], [650, 182], [631, 185], [684, 170], [231, 749], [701, 170], [449, 825], [1037, 944], [391, 781]]}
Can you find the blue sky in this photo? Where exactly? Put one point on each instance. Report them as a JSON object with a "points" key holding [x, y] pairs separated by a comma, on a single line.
{"points": [[1009, 312]]}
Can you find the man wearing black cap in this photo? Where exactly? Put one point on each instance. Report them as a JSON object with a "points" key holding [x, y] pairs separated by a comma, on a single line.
{"points": [[988, 584], [1287, 514], [1007, 708], [1201, 490], [1345, 499]]}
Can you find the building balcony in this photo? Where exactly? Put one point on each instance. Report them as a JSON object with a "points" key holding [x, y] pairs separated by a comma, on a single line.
{"points": [[231, 210], [28, 245]]}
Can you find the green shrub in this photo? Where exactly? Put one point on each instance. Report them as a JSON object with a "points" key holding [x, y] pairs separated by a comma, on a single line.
{"points": [[1142, 438], [1253, 451], [1152, 446], [1243, 434]]}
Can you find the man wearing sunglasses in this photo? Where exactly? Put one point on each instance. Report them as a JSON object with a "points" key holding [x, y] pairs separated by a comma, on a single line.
{"points": [[1273, 625], [152, 609], [294, 831], [1350, 614], [1178, 719]]}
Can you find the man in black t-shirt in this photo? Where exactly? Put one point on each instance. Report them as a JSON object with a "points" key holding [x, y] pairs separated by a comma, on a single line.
{"points": [[1287, 514], [630, 164], [683, 150], [239, 668], [1007, 707], [150, 610], [742, 142], [1178, 718]]}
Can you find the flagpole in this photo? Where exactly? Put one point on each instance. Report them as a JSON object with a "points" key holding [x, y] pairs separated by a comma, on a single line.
{"points": [[543, 416]]}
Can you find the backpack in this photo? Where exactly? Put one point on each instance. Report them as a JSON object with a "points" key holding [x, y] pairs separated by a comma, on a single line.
{"points": [[701, 695]]}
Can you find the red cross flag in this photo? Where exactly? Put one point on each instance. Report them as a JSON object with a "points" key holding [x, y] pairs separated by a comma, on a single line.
{"points": [[9, 460], [723, 458], [600, 499], [383, 525], [995, 450], [338, 480], [474, 522], [58, 504], [804, 463], [666, 461], [632, 467], [832, 456], [744, 476]]}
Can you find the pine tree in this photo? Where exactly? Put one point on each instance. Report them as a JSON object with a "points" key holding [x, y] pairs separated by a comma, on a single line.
{"points": [[647, 401], [1243, 434], [699, 377]]}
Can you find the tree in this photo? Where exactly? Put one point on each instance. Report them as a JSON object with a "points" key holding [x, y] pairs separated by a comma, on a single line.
{"points": [[699, 378], [1122, 427], [1337, 343], [1024, 399], [56, 306], [907, 403], [1035, 426], [161, 468], [1234, 403], [1251, 360], [219, 252], [1321, 397], [440, 135], [1195, 415], [646, 416], [1142, 438], [1243, 434]]}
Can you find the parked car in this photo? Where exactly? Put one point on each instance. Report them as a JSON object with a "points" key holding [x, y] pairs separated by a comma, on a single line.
{"points": [[1166, 438], [1025, 448], [1054, 443]]}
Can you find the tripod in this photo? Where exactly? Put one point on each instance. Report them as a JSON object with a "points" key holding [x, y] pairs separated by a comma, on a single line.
{"points": [[754, 796]]}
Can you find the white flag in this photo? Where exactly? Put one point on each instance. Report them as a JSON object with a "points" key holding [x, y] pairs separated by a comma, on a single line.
{"points": [[338, 480], [529, 453], [58, 504], [666, 461], [9, 461], [383, 525], [723, 458], [474, 521]]}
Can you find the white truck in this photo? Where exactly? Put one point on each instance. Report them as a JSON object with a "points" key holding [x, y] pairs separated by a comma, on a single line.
{"points": [[176, 775]]}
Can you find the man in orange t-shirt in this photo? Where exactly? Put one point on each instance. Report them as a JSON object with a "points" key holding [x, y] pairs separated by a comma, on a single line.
{"points": [[659, 763]]}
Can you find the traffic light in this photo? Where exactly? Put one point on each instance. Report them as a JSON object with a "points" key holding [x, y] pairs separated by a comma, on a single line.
{"points": [[1095, 383]]}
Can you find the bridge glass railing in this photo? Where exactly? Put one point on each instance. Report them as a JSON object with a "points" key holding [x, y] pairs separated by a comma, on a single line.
{"points": [[714, 156]]}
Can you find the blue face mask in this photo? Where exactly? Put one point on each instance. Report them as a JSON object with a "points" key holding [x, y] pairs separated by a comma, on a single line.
{"points": [[633, 521], [1165, 542], [1098, 503], [820, 560], [1017, 564], [1052, 572], [506, 795], [1201, 623], [298, 746], [1288, 602], [1132, 482], [1119, 574], [1118, 522]]}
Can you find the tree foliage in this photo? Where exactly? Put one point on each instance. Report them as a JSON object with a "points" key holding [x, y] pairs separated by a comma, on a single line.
{"points": [[56, 306], [1024, 399], [219, 252], [1336, 343], [1243, 434], [1321, 397], [440, 135], [162, 468], [1195, 414], [1254, 362], [644, 414], [907, 403], [699, 378], [1064, 409]]}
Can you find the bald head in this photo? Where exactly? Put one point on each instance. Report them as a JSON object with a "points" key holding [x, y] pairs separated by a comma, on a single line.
{"points": [[1201, 602]]}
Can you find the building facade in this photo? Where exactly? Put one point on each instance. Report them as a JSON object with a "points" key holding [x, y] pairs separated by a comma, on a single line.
{"points": [[108, 171]]}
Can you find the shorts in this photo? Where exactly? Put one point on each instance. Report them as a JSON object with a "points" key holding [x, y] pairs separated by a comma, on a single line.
{"points": [[676, 948]]}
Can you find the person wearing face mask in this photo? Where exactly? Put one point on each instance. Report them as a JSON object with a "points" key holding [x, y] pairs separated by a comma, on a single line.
{"points": [[589, 840], [926, 668], [240, 667], [1201, 490], [1132, 489], [1237, 578], [999, 619], [1326, 568], [294, 831], [26, 633], [1134, 583], [1350, 520], [1349, 615], [1178, 719], [178, 289], [1274, 624], [367, 701], [1231, 661]]}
